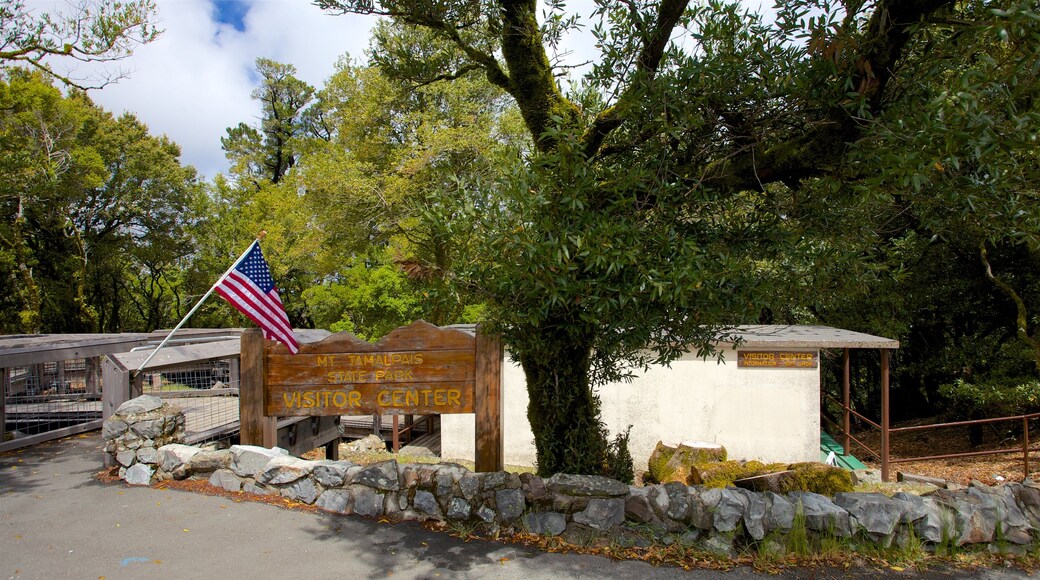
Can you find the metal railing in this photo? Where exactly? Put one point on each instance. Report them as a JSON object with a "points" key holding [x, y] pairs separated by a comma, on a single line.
{"points": [[49, 400], [207, 392], [883, 454]]}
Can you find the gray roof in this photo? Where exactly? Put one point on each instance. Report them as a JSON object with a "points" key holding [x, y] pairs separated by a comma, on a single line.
{"points": [[809, 337]]}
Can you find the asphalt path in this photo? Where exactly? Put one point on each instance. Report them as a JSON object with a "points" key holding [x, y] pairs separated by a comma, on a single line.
{"points": [[57, 521]]}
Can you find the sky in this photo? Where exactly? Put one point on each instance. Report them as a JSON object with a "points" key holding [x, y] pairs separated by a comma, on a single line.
{"points": [[195, 80]]}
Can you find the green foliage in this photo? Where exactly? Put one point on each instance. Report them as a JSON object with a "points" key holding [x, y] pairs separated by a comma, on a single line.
{"points": [[998, 397], [367, 301], [619, 459], [96, 215], [798, 537]]}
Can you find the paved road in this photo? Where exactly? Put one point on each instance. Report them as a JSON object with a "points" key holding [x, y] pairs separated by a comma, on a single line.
{"points": [[56, 521]]}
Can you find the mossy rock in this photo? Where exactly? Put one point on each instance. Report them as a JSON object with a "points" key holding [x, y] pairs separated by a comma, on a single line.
{"points": [[817, 478], [669, 463], [723, 473]]}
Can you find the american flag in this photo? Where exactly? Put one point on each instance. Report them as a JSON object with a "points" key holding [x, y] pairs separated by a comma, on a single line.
{"points": [[248, 286]]}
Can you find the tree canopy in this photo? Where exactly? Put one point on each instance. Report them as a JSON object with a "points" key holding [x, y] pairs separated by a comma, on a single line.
{"points": [[90, 31]]}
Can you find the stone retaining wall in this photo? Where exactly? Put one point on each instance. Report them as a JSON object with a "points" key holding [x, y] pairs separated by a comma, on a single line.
{"points": [[583, 508], [135, 432]]}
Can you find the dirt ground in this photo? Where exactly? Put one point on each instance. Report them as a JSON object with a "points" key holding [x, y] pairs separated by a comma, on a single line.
{"points": [[989, 469]]}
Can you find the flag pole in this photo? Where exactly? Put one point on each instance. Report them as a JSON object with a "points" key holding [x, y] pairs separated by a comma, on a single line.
{"points": [[259, 237]]}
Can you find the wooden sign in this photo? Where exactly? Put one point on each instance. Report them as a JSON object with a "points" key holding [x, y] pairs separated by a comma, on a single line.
{"points": [[415, 370], [778, 359]]}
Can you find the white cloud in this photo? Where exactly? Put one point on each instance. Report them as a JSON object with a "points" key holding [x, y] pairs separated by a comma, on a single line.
{"points": [[196, 79]]}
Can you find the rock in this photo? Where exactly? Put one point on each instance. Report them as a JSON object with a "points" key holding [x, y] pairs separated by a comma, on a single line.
{"points": [[1027, 497], [301, 490], [426, 503], [702, 507], [545, 523], [444, 485], [138, 405], [113, 428], [148, 455], [678, 501], [175, 455], [458, 509], [821, 515], [779, 513], [729, 511], [367, 502], [139, 474], [602, 513], [126, 458], [368, 444], [975, 514], [929, 519], [382, 475], [331, 473], [469, 484], [866, 475], [586, 485], [485, 514], [283, 469], [534, 487], [250, 487], [720, 545], [510, 504], [754, 513], [334, 500], [247, 460], [493, 480], [873, 512], [1007, 507], [206, 461], [225, 479], [151, 429], [637, 506]]}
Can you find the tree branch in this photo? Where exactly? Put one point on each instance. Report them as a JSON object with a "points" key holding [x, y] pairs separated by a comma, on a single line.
{"points": [[1022, 315], [668, 14], [820, 148]]}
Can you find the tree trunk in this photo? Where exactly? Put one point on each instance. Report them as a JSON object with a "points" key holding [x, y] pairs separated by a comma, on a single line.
{"points": [[563, 410]]}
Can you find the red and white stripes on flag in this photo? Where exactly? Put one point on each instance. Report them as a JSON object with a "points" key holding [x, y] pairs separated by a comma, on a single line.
{"points": [[248, 286]]}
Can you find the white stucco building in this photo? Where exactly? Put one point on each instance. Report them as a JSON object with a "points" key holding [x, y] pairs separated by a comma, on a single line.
{"points": [[766, 407]]}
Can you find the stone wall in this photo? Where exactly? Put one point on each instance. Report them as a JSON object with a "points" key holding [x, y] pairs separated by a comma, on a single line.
{"points": [[583, 508], [134, 433]]}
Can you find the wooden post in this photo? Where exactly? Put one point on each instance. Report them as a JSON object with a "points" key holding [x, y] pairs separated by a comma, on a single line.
{"points": [[884, 415], [60, 378], [115, 386], [846, 397], [92, 366], [1025, 447], [488, 403], [234, 376], [5, 387], [397, 433], [254, 428]]}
